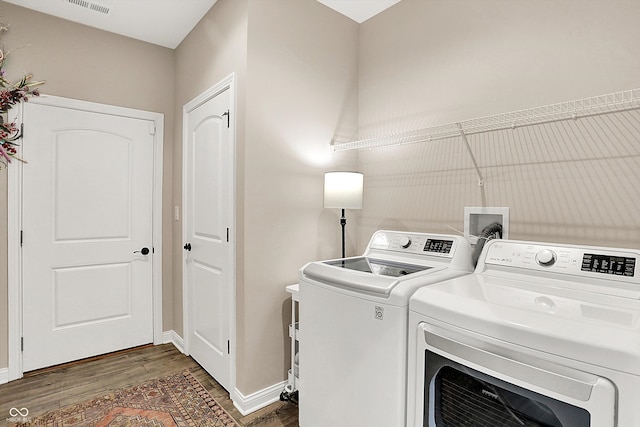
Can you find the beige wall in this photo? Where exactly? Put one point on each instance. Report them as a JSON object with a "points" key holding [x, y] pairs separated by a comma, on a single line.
{"points": [[215, 48], [83, 63], [278, 50], [296, 68], [301, 93], [430, 62]]}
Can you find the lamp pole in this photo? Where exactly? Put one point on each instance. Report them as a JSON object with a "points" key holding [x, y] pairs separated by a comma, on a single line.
{"points": [[343, 222]]}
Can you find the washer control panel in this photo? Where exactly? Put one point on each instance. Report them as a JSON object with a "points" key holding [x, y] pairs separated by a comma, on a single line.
{"points": [[415, 243], [603, 262]]}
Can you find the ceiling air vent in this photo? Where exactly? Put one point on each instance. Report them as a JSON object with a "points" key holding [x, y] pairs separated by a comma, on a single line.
{"points": [[99, 8], [96, 7]]}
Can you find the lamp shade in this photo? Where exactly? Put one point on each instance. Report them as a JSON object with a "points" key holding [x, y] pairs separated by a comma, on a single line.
{"points": [[343, 190]]}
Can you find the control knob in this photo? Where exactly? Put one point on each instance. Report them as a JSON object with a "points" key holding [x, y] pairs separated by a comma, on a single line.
{"points": [[405, 242], [546, 257]]}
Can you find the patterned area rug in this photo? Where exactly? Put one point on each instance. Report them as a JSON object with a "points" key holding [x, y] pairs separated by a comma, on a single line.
{"points": [[178, 400]]}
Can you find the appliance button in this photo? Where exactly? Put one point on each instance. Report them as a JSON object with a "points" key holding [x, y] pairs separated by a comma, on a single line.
{"points": [[405, 242], [546, 257]]}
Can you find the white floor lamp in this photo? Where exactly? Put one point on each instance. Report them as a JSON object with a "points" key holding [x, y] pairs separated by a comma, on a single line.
{"points": [[343, 190]]}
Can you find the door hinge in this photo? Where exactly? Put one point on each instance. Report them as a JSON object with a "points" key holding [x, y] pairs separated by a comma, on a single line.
{"points": [[228, 114], [21, 343], [228, 347], [20, 238], [227, 234], [152, 129]]}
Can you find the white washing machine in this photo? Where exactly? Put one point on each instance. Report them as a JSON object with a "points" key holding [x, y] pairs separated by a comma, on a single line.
{"points": [[540, 335], [353, 326]]}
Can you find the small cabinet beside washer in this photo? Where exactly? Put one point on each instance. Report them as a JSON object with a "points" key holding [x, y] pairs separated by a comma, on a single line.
{"points": [[290, 392]]}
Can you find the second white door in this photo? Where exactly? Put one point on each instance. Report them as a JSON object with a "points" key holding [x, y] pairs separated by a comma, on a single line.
{"points": [[208, 218]]}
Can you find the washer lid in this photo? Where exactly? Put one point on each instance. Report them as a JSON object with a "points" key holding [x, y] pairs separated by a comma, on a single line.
{"points": [[377, 266], [364, 274], [393, 266], [593, 328]]}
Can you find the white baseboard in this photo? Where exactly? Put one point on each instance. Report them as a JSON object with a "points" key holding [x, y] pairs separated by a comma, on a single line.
{"points": [[171, 337], [257, 400], [4, 375]]}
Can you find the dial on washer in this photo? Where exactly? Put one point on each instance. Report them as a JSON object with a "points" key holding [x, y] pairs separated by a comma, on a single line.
{"points": [[546, 257], [405, 241]]}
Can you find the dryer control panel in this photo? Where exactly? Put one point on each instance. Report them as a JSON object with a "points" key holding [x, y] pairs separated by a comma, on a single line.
{"points": [[568, 259], [415, 243]]}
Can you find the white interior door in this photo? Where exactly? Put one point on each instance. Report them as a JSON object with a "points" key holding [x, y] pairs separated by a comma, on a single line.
{"points": [[208, 211], [87, 215]]}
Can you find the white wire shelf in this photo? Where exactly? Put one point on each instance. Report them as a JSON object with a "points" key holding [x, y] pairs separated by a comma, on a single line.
{"points": [[603, 104]]}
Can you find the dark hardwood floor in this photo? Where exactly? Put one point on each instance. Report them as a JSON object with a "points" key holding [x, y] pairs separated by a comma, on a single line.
{"points": [[49, 389]]}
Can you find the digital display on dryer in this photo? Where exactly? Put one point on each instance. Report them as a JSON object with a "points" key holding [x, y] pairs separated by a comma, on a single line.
{"points": [[438, 246], [608, 264]]}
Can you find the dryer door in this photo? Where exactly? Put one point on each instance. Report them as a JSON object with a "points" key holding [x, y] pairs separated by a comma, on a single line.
{"points": [[470, 379]]}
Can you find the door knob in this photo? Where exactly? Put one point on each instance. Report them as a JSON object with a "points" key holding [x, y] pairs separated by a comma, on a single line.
{"points": [[188, 247], [143, 251]]}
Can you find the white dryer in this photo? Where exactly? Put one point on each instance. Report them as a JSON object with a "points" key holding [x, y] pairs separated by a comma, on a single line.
{"points": [[353, 326], [540, 335]]}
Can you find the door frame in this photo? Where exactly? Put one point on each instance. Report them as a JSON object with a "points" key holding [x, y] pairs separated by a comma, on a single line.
{"points": [[228, 83], [14, 220]]}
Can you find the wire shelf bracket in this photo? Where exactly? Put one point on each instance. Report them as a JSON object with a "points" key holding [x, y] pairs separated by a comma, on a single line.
{"points": [[473, 157]]}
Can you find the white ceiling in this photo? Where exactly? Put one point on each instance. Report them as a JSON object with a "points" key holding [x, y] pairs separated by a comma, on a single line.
{"points": [[359, 10], [165, 22]]}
